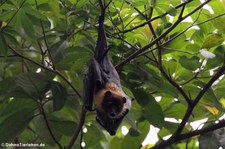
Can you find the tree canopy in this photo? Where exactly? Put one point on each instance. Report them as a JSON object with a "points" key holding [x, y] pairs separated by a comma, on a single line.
{"points": [[169, 54]]}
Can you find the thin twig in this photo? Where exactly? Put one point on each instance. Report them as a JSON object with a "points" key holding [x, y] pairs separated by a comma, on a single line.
{"points": [[45, 40], [2, 56], [196, 74], [42, 111], [64, 5], [2, 3]]}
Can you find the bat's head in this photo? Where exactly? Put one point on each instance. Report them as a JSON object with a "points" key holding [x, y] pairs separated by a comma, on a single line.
{"points": [[112, 112], [113, 104]]}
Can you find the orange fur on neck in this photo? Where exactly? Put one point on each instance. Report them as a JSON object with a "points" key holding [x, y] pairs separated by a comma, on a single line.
{"points": [[112, 87]]}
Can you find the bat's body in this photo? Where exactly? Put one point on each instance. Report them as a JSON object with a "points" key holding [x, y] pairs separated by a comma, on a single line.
{"points": [[102, 86]]}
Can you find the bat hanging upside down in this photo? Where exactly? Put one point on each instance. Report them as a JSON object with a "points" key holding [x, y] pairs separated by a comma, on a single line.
{"points": [[102, 86]]}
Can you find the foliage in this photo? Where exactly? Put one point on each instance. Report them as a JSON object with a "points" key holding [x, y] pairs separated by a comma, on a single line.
{"points": [[167, 50]]}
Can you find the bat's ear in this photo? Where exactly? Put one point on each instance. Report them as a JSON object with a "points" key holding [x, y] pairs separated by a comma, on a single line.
{"points": [[124, 99], [126, 111], [108, 94]]}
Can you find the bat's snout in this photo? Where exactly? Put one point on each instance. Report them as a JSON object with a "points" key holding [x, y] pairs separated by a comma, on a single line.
{"points": [[112, 114]]}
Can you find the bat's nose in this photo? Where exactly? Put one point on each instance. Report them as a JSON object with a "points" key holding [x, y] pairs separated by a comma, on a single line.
{"points": [[112, 114]]}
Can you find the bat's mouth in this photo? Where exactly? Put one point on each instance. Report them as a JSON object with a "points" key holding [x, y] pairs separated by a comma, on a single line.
{"points": [[113, 114]]}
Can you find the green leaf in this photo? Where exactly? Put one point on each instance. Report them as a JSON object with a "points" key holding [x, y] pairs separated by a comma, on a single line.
{"points": [[135, 141], [116, 142], [75, 58], [42, 130], [10, 36], [217, 6], [167, 8], [34, 84], [198, 37], [178, 43], [219, 24], [141, 97], [190, 63], [78, 50], [58, 126], [14, 105], [218, 9], [59, 95], [93, 142], [207, 27], [54, 5], [80, 4], [193, 48], [218, 60], [171, 127], [14, 124], [210, 97], [151, 107], [5, 86], [139, 2], [27, 26], [212, 40], [153, 113], [167, 88], [36, 14], [176, 111], [64, 127], [57, 50]]}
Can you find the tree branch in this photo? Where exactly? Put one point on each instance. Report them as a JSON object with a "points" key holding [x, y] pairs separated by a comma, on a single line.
{"points": [[78, 128], [160, 66], [221, 124], [176, 136]]}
